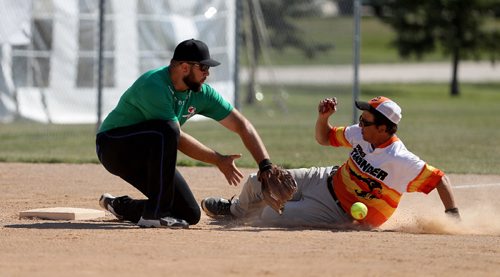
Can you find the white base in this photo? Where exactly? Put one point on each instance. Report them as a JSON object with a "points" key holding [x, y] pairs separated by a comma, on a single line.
{"points": [[63, 213]]}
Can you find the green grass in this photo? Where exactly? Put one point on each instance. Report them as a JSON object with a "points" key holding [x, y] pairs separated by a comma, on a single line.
{"points": [[458, 135], [33, 142]]}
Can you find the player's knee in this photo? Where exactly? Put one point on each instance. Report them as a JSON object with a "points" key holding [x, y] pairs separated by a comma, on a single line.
{"points": [[194, 217], [252, 184], [168, 128], [269, 215], [172, 128]]}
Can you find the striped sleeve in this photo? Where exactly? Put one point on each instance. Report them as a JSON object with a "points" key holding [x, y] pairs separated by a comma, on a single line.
{"points": [[337, 137], [426, 181]]}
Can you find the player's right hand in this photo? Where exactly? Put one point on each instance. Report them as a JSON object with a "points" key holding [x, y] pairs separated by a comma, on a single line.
{"points": [[328, 106], [227, 166]]}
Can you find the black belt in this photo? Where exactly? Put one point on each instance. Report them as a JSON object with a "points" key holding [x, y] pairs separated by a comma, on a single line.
{"points": [[329, 185]]}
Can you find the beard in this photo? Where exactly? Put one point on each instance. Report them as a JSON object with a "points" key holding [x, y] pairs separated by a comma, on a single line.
{"points": [[191, 82]]}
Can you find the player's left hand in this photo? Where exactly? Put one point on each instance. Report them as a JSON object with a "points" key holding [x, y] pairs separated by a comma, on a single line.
{"points": [[278, 186], [453, 213]]}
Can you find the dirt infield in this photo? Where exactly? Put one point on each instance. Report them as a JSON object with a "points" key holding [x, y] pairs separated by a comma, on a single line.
{"points": [[417, 241]]}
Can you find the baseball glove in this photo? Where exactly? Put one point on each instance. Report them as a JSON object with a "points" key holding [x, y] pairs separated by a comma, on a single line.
{"points": [[278, 186]]}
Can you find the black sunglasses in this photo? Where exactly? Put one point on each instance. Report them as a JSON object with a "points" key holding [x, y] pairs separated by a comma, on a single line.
{"points": [[203, 67], [364, 123]]}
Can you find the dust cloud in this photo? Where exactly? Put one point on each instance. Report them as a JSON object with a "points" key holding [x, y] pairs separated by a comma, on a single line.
{"points": [[478, 220]]}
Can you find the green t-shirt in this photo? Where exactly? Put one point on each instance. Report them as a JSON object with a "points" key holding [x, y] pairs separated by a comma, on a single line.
{"points": [[153, 96]]}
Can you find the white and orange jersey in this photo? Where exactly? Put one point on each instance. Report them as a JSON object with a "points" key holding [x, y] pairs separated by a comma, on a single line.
{"points": [[378, 177]]}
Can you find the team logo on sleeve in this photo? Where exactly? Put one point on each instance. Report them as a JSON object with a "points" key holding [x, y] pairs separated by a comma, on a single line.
{"points": [[191, 111]]}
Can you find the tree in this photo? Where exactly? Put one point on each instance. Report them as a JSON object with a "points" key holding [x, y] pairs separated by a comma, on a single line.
{"points": [[460, 27]]}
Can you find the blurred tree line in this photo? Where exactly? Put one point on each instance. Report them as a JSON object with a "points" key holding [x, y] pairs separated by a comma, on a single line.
{"points": [[462, 29]]}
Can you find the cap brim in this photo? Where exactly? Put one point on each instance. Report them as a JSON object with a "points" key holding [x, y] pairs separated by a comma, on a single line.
{"points": [[363, 105], [210, 62]]}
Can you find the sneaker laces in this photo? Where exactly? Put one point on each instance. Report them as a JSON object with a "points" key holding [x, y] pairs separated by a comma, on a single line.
{"points": [[220, 207], [223, 208]]}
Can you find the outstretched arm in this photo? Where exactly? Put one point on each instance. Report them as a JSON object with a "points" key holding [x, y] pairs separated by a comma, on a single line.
{"points": [[197, 150], [237, 123], [446, 195]]}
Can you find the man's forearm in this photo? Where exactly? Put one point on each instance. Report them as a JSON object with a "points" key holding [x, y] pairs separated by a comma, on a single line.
{"points": [[197, 150], [322, 130], [445, 193], [237, 123], [254, 144]]}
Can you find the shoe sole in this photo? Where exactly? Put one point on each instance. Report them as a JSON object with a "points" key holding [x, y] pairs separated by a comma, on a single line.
{"points": [[165, 224], [102, 203], [207, 212], [162, 224], [212, 215]]}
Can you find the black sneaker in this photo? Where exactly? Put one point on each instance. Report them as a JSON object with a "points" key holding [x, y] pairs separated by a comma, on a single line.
{"points": [[106, 202], [164, 222], [216, 207]]}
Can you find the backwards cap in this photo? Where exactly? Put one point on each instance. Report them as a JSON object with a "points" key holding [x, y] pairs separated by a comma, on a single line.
{"points": [[383, 105]]}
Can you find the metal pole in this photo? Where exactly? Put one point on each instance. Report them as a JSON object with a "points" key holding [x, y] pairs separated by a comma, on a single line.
{"points": [[237, 43], [356, 46], [100, 64]]}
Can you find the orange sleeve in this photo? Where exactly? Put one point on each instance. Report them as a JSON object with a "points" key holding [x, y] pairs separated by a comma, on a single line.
{"points": [[426, 181], [337, 137]]}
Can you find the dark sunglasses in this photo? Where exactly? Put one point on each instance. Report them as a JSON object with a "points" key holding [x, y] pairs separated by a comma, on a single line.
{"points": [[364, 123], [203, 67]]}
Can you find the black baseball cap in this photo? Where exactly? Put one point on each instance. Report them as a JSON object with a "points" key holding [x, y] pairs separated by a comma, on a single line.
{"points": [[193, 50]]}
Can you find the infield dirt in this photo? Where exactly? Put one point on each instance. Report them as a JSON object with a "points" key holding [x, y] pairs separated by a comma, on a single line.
{"points": [[417, 241]]}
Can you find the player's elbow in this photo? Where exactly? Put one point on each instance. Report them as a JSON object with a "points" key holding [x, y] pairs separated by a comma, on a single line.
{"points": [[444, 184], [244, 127]]}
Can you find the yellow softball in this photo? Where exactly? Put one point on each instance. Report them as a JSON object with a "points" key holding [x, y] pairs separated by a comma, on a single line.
{"points": [[359, 210]]}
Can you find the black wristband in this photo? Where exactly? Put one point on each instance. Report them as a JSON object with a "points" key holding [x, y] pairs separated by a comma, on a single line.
{"points": [[451, 211], [265, 164]]}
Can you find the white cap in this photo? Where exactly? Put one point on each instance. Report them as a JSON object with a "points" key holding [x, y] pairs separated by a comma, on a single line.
{"points": [[383, 105]]}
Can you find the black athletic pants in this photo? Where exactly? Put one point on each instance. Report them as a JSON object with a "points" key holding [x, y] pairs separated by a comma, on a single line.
{"points": [[145, 156]]}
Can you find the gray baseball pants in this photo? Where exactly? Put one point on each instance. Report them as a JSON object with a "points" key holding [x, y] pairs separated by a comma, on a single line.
{"points": [[311, 205]]}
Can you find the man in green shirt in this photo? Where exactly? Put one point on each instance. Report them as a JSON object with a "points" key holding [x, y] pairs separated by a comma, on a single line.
{"points": [[139, 139]]}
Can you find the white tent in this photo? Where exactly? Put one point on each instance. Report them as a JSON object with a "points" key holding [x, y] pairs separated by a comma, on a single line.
{"points": [[49, 51]]}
